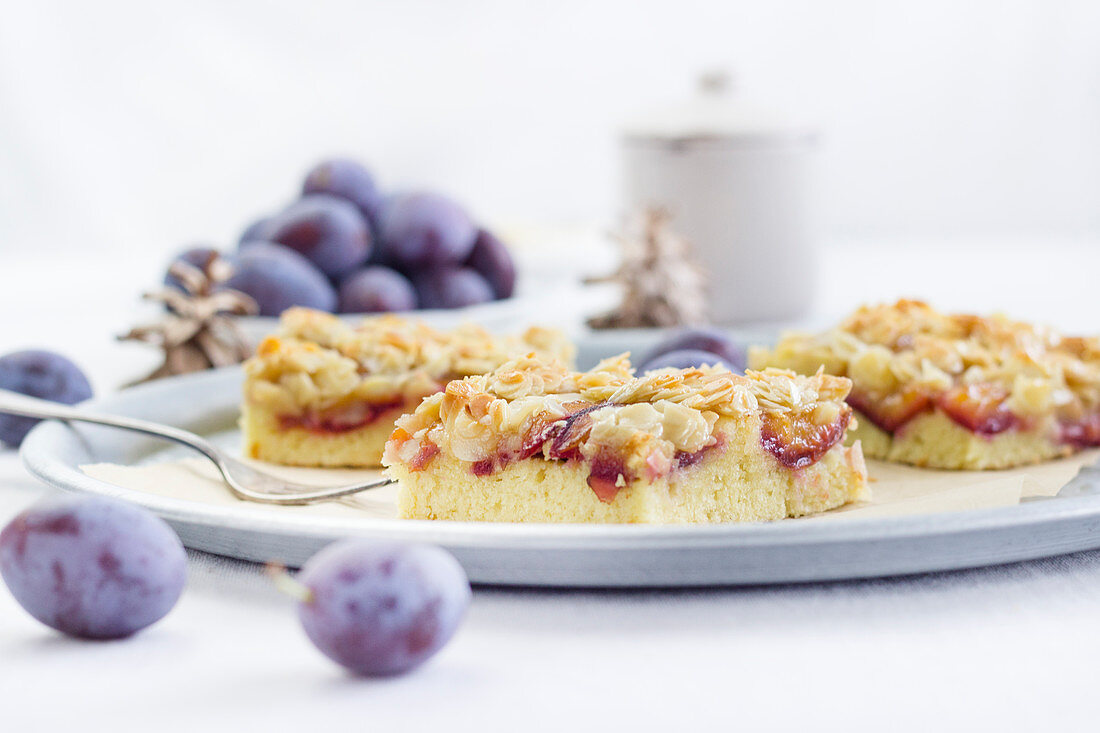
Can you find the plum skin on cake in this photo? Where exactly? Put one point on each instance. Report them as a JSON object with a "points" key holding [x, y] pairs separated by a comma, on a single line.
{"points": [[955, 391], [326, 394], [536, 442]]}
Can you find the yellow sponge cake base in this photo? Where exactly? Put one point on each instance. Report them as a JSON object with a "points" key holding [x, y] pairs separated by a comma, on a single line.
{"points": [[266, 439], [934, 440], [728, 485]]}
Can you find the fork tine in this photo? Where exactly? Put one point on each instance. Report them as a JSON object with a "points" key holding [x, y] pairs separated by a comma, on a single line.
{"points": [[242, 480], [278, 491]]}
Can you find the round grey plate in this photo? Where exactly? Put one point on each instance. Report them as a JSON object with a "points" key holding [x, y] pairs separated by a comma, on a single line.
{"points": [[563, 555]]}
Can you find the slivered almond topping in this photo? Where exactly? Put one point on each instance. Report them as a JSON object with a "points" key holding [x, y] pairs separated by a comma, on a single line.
{"points": [[646, 420], [317, 360], [908, 348]]}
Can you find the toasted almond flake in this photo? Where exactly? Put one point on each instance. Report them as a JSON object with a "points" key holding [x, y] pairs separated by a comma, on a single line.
{"points": [[909, 344]]}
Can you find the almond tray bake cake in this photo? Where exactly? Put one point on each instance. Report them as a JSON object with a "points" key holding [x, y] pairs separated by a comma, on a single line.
{"points": [[323, 393], [534, 441], [955, 391]]}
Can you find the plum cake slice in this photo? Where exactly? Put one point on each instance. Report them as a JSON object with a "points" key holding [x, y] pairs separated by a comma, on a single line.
{"points": [[536, 442], [955, 391], [324, 393]]}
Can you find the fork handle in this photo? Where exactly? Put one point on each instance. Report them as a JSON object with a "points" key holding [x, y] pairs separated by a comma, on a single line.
{"points": [[14, 403]]}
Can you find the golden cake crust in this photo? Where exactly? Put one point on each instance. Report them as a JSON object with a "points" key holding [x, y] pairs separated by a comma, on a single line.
{"points": [[989, 374], [317, 360], [535, 441], [307, 385], [665, 411]]}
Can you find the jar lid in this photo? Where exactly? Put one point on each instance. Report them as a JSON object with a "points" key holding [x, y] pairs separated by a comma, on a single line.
{"points": [[715, 112]]}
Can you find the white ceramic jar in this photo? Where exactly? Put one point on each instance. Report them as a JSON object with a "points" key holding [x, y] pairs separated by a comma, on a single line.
{"points": [[739, 184]]}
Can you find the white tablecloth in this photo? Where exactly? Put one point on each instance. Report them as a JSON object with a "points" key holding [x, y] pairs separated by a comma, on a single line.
{"points": [[1008, 648]]}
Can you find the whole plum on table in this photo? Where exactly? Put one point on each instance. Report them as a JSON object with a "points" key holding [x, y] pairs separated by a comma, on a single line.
{"points": [[701, 339], [329, 231], [418, 231], [382, 609], [92, 567], [41, 374], [685, 359], [277, 278]]}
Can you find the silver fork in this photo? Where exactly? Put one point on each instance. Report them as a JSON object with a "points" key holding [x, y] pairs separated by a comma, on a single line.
{"points": [[244, 481]]}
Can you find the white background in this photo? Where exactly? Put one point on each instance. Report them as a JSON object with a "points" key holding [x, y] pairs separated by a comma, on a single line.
{"points": [[142, 127], [960, 140]]}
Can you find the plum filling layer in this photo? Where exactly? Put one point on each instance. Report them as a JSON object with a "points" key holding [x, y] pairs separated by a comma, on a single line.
{"points": [[980, 408], [1082, 433], [342, 419], [795, 443], [607, 472], [561, 440], [800, 443], [890, 413]]}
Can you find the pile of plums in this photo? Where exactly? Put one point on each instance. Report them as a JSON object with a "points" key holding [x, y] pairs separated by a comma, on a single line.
{"points": [[344, 247]]}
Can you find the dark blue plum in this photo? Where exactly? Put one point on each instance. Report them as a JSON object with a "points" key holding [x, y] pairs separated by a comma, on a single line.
{"points": [[452, 288], [379, 255], [685, 359], [196, 257], [278, 278], [92, 567], [420, 231], [255, 232], [491, 259], [41, 374], [701, 339], [345, 179], [376, 289], [382, 609], [329, 231]]}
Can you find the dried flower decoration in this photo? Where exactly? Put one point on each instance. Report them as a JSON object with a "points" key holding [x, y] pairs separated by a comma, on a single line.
{"points": [[662, 284], [198, 332]]}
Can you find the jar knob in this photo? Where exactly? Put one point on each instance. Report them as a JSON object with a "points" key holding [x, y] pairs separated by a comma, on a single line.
{"points": [[715, 82]]}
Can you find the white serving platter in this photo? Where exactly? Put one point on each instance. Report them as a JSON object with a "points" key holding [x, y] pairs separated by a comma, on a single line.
{"points": [[569, 302], [549, 554]]}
